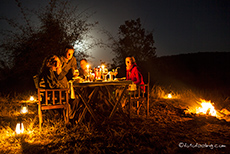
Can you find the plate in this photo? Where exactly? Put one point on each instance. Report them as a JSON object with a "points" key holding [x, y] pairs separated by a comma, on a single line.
{"points": [[77, 77], [120, 79], [99, 80]]}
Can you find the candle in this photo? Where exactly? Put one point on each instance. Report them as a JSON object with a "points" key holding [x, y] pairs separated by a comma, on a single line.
{"points": [[103, 68], [19, 128]]}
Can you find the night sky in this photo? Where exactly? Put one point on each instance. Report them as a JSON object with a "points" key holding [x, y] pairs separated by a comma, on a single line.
{"points": [[179, 26]]}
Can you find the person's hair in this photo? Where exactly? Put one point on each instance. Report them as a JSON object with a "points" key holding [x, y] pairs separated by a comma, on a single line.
{"points": [[48, 62], [67, 48], [84, 60], [132, 59]]}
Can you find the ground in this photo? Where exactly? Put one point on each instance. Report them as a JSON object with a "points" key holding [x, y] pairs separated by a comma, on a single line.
{"points": [[168, 129]]}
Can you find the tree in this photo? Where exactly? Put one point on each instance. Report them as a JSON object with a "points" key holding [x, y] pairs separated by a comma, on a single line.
{"points": [[27, 44], [133, 40]]}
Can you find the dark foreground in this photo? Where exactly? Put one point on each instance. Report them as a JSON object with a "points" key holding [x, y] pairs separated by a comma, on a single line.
{"points": [[167, 130]]}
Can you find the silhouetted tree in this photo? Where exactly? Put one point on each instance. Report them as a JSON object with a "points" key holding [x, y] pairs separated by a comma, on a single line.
{"points": [[26, 45], [133, 40]]}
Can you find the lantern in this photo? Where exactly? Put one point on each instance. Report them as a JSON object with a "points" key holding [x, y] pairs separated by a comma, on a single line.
{"points": [[24, 109], [19, 128], [169, 95], [32, 98]]}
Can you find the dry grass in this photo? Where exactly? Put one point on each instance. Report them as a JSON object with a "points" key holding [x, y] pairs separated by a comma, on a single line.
{"points": [[167, 126]]}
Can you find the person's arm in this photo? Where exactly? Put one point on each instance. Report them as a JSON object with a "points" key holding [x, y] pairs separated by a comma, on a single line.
{"points": [[61, 74], [50, 80], [74, 63], [137, 76]]}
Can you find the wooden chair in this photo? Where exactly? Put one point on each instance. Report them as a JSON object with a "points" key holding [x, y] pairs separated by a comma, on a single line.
{"points": [[139, 98], [49, 99]]}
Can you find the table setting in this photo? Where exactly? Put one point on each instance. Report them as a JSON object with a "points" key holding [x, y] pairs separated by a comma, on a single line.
{"points": [[99, 85]]}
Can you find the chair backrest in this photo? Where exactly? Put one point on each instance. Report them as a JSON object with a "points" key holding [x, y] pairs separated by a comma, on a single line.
{"points": [[52, 96], [37, 83], [141, 96], [142, 90]]}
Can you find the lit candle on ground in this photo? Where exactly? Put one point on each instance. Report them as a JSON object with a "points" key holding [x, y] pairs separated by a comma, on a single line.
{"points": [[19, 128], [31, 98]]}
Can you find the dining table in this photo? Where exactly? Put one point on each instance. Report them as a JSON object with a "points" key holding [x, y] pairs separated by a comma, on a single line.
{"points": [[96, 93]]}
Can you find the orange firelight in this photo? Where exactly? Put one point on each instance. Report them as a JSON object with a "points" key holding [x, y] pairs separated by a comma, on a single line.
{"points": [[87, 66], [207, 108], [32, 98], [169, 95], [19, 128]]}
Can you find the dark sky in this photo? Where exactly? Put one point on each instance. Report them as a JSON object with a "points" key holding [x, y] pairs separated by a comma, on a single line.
{"points": [[179, 26]]}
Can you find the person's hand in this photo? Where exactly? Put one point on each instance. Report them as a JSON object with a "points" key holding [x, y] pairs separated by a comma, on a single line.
{"points": [[76, 73], [58, 69]]}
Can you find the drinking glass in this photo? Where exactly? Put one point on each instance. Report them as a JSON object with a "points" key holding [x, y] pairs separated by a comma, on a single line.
{"points": [[105, 73], [115, 73]]}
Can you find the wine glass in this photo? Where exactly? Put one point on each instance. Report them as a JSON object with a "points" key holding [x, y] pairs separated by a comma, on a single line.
{"points": [[105, 73], [116, 72]]}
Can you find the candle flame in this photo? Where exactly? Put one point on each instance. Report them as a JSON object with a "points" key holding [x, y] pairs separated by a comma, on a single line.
{"points": [[19, 128], [24, 109], [169, 95], [32, 98]]}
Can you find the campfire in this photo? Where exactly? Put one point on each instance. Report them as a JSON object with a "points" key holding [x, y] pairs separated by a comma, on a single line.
{"points": [[207, 108]]}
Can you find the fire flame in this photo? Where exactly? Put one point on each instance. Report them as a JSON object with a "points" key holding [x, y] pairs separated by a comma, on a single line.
{"points": [[169, 95], [24, 110], [32, 98], [19, 128], [207, 108]]}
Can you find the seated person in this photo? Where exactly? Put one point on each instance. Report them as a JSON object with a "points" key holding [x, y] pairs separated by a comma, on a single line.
{"points": [[68, 63], [132, 71], [83, 68], [51, 68]]}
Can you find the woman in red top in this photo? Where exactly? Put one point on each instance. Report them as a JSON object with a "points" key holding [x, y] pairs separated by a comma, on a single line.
{"points": [[132, 71]]}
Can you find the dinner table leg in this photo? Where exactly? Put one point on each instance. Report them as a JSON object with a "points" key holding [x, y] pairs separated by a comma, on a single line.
{"points": [[91, 97], [118, 102], [86, 103]]}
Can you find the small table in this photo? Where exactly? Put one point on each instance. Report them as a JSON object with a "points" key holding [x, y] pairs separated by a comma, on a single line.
{"points": [[105, 89]]}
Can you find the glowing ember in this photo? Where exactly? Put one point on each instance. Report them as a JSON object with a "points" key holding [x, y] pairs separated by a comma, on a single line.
{"points": [[207, 108], [169, 95], [31, 98], [19, 128]]}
